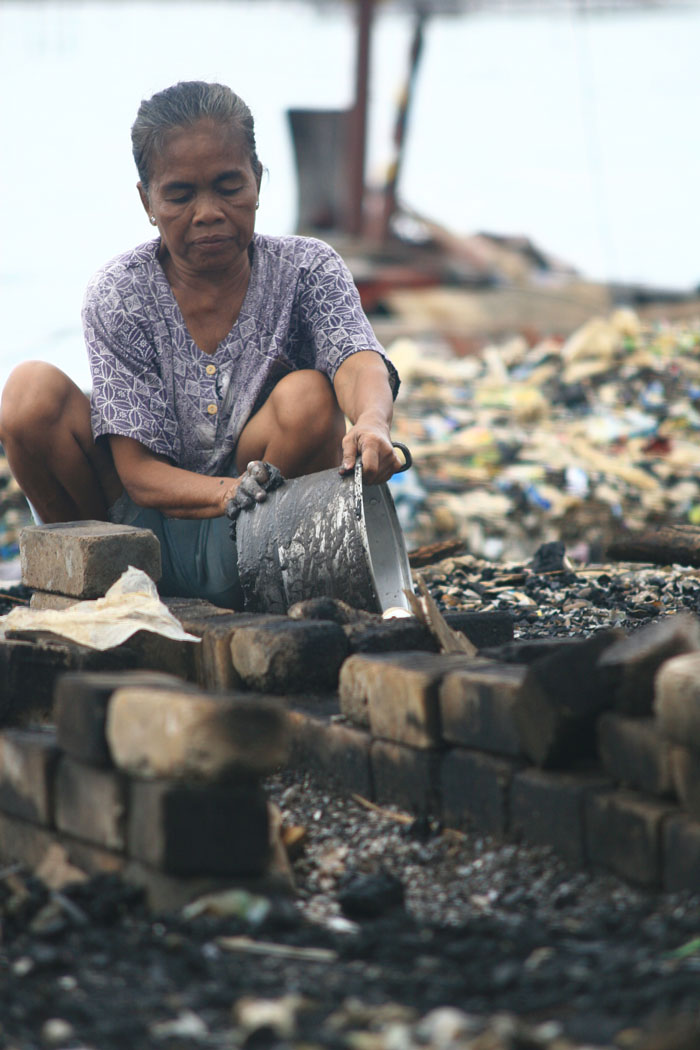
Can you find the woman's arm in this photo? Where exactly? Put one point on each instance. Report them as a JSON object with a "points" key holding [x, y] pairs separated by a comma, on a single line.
{"points": [[364, 394], [151, 481]]}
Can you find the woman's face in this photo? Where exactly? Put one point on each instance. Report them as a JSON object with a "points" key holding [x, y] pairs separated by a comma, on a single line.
{"points": [[203, 193]]}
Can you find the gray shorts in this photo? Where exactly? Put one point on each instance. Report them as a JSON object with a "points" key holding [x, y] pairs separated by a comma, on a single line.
{"points": [[199, 558]]}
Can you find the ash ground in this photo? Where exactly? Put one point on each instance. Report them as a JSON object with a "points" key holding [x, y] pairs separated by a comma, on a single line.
{"points": [[436, 939]]}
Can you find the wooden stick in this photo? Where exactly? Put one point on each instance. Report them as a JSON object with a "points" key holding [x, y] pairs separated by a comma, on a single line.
{"points": [[283, 951]]}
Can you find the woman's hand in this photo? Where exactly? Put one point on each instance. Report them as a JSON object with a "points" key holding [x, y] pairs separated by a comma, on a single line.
{"points": [[371, 440], [253, 486], [364, 394]]}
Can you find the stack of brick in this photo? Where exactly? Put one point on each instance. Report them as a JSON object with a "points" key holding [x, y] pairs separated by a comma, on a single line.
{"points": [[150, 777]]}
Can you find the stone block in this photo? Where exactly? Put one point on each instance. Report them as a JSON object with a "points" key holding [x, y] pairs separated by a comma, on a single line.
{"points": [[43, 600], [406, 777], [685, 776], [22, 842], [290, 656], [476, 707], [475, 790], [623, 834], [154, 652], [30, 669], [80, 708], [483, 628], [634, 754], [401, 635], [199, 829], [548, 809], [681, 854], [397, 694], [214, 658], [335, 750], [83, 559], [634, 661], [560, 699], [527, 650], [31, 845], [91, 804], [186, 734], [27, 767], [677, 700]]}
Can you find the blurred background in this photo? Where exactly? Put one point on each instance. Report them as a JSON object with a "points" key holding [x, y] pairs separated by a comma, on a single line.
{"points": [[570, 123]]}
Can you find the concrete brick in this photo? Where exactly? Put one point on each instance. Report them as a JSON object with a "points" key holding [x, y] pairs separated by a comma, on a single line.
{"points": [[335, 750], [91, 804], [29, 670], [80, 708], [23, 842], [560, 699], [475, 790], [28, 844], [483, 628], [290, 656], [199, 829], [83, 559], [179, 733], [476, 707], [685, 775], [547, 809], [397, 694], [390, 636], [405, 777], [42, 600], [526, 650], [634, 661], [677, 700], [681, 854], [623, 834], [27, 766], [153, 652], [634, 754], [213, 658]]}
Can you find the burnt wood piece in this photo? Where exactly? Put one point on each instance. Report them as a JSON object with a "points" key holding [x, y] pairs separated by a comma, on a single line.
{"points": [[667, 545]]}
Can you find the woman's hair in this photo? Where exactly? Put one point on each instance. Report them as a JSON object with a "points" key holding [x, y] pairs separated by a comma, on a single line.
{"points": [[182, 105]]}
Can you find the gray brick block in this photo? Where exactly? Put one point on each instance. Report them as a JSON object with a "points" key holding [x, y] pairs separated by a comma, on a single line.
{"points": [[27, 767], [83, 559], [214, 658], [191, 829], [623, 834], [397, 694], [340, 753], [633, 662], [560, 700], [476, 707], [406, 777], [677, 700], [548, 809], [43, 600], [634, 754], [685, 774], [475, 790], [80, 708], [91, 804], [29, 671], [681, 854], [185, 733], [290, 656]]}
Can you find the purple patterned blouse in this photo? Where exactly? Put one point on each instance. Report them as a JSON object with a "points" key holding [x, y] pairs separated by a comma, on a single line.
{"points": [[151, 381]]}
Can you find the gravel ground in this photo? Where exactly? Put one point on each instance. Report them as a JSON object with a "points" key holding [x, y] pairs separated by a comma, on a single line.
{"points": [[403, 934]]}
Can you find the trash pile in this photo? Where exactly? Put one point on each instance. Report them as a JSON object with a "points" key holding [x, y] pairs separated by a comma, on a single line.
{"points": [[573, 440]]}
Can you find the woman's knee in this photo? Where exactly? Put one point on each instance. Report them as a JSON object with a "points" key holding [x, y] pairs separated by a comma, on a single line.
{"points": [[306, 401], [35, 398]]}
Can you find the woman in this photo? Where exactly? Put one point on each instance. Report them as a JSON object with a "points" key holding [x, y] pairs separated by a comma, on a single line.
{"points": [[217, 354]]}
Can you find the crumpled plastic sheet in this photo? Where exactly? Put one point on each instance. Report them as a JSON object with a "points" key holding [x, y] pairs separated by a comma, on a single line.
{"points": [[131, 604]]}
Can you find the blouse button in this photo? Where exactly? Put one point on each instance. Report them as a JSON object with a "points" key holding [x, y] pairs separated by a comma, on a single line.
{"points": [[212, 410], [210, 370]]}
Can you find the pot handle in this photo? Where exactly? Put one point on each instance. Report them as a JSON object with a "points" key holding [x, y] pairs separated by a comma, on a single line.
{"points": [[408, 458]]}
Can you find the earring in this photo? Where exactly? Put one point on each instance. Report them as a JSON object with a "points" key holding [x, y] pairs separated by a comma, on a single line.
{"points": [[257, 205], [153, 220]]}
